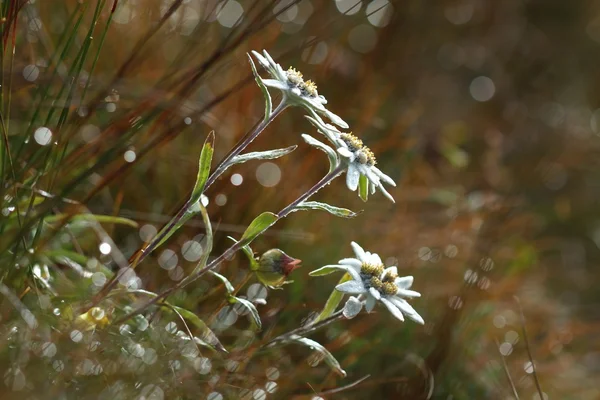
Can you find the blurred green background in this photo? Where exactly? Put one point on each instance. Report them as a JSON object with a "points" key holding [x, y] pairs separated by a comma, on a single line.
{"points": [[484, 112]]}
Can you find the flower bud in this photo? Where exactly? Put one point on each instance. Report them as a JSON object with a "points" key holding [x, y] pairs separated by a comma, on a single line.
{"points": [[274, 266]]}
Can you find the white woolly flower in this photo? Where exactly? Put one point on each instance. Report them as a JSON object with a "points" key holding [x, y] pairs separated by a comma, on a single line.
{"points": [[372, 280], [359, 158], [296, 91]]}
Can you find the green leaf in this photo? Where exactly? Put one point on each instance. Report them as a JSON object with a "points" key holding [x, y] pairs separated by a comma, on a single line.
{"points": [[263, 88], [334, 300], [203, 167], [207, 335], [109, 219], [253, 311], [337, 211], [331, 154], [228, 286], [363, 188], [262, 155], [208, 242], [327, 356], [326, 270], [249, 254], [192, 210], [258, 226]]}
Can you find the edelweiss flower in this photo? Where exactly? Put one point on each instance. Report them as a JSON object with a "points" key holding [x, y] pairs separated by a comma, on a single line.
{"points": [[296, 91], [377, 283], [359, 158]]}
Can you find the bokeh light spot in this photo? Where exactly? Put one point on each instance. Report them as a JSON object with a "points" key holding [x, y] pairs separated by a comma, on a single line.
{"points": [[482, 88], [31, 73], [379, 13], [362, 38], [316, 53], [268, 174], [237, 179], [229, 13], [42, 136], [348, 7]]}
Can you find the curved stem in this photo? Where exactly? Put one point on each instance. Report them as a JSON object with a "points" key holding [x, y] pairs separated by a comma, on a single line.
{"points": [[326, 180], [243, 143], [305, 330], [144, 251]]}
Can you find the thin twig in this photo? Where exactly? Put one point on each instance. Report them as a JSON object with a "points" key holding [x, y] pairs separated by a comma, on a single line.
{"points": [[350, 386], [507, 372], [304, 330], [326, 180], [533, 369]]}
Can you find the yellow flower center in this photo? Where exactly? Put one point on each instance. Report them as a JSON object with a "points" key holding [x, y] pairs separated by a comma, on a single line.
{"points": [[311, 88], [376, 283], [308, 88], [355, 145], [295, 77], [391, 277], [388, 288], [370, 269]]}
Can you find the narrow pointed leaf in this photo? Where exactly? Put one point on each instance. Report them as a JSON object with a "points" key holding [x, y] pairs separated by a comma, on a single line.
{"points": [[328, 357], [258, 226], [263, 89], [261, 155], [334, 300], [331, 154], [108, 219], [363, 188], [253, 311], [337, 211], [172, 228], [203, 167], [207, 334], [326, 270], [228, 286], [209, 239]]}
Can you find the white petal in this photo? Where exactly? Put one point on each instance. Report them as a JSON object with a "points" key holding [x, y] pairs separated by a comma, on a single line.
{"points": [[268, 57], [352, 177], [393, 309], [352, 262], [383, 176], [352, 307], [313, 102], [404, 282], [279, 72], [344, 152], [352, 287], [358, 251], [374, 259], [375, 293], [323, 99], [371, 301], [407, 309], [372, 187], [371, 176], [385, 193], [274, 83], [336, 119], [263, 61], [407, 293]]}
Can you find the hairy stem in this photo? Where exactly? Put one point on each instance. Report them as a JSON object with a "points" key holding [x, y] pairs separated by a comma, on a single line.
{"points": [[223, 165], [326, 180]]}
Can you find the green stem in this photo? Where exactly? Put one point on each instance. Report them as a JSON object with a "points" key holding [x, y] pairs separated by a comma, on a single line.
{"points": [[326, 180]]}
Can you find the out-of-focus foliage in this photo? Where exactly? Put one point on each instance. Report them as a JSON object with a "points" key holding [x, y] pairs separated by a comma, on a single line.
{"points": [[485, 113]]}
